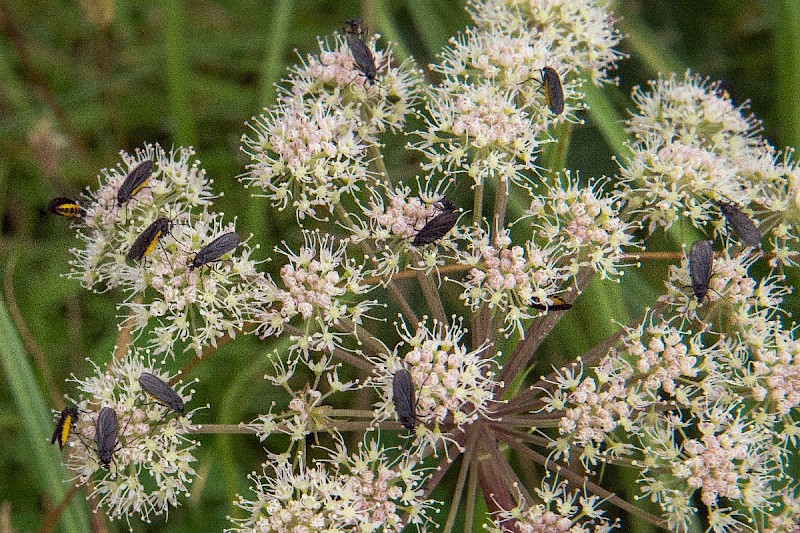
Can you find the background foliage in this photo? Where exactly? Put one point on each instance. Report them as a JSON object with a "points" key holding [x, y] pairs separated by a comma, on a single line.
{"points": [[84, 79]]}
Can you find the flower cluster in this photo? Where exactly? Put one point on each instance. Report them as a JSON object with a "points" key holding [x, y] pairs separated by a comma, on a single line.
{"points": [[453, 386], [477, 126], [176, 186], [321, 289], [313, 148], [509, 278], [581, 33], [585, 223], [392, 218], [194, 306], [367, 491], [700, 398], [307, 412], [694, 149], [711, 408], [151, 463]]}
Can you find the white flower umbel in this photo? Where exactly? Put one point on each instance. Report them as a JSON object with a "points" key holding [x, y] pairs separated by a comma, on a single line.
{"points": [[513, 64], [454, 386], [582, 32], [509, 278], [691, 148], [392, 219], [321, 286], [177, 186], [366, 491], [307, 155], [151, 465], [313, 147], [477, 129], [714, 410], [586, 222], [189, 305], [333, 78], [194, 307]]}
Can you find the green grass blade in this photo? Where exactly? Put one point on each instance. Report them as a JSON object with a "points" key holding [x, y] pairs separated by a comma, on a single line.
{"points": [[646, 46], [429, 24], [787, 58], [178, 74], [44, 458], [390, 32], [274, 63]]}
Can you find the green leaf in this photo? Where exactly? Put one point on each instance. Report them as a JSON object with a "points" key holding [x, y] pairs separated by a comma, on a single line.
{"points": [[603, 114]]}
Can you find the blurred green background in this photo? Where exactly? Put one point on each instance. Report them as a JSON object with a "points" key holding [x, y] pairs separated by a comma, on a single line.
{"points": [[83, 79]]}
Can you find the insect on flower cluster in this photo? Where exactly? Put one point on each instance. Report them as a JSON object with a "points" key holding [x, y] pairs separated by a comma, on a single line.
{"points": [[405, 323]]}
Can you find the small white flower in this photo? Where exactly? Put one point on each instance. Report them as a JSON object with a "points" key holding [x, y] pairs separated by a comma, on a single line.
{"points": [[560, 510], [321, 287]]}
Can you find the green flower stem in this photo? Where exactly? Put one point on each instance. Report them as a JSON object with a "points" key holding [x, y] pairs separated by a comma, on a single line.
{"points": [[458, 491], [477, 204], [241, 429], [500, 206], [431, 294], [472, 493], [394, 292], [554, 156]]}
